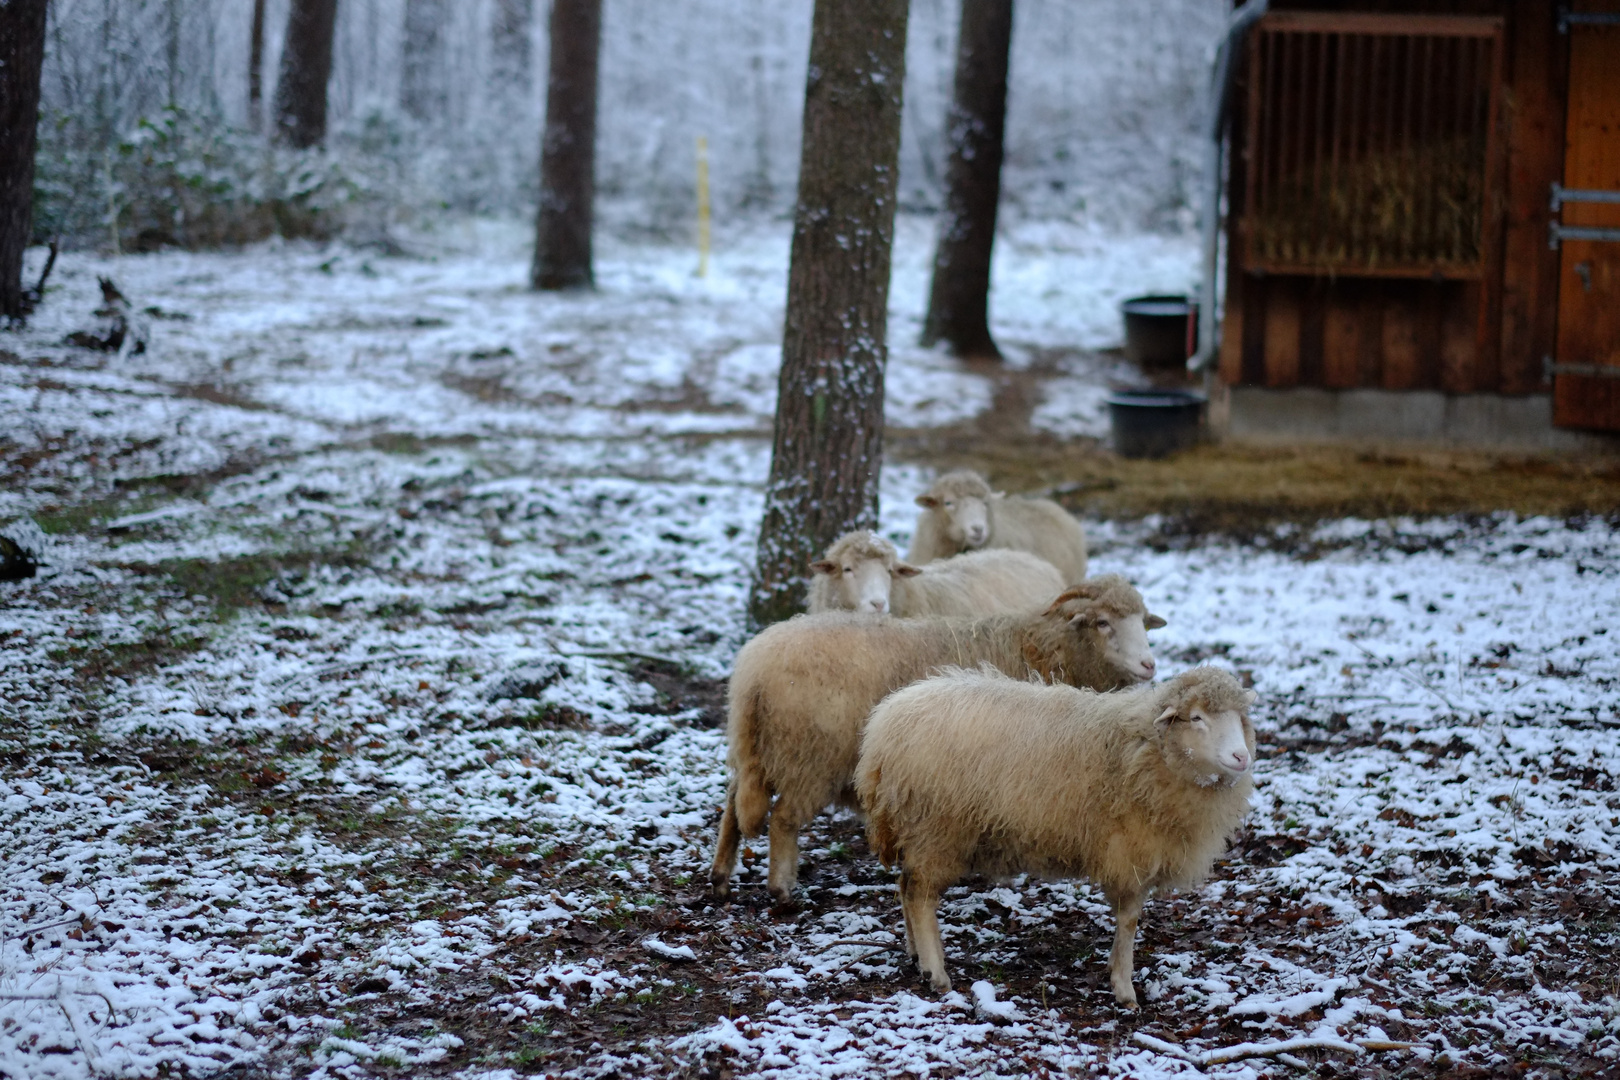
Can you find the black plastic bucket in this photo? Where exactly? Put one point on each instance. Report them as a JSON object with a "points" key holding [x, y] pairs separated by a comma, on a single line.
{"points": [[1160, 332], [1153, 423]]}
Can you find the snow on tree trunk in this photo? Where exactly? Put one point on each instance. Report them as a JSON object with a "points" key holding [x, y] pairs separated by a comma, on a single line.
{"points": [[422, 84], [562, 249], [829, 412], [959, 299], [306, 67], [22, 55]]}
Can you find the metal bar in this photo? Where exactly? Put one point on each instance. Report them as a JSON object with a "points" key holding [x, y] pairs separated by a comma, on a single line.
{"points": [[1382, 23], [1589, 371], [1568, 18], [1560, 233], [1562, 195]]}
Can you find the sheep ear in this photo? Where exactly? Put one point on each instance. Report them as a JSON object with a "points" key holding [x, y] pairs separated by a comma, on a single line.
{"points": [[1250, 697], [927, 502], [905, 569], [824, 566], [1164, 718], [1154, 622]]}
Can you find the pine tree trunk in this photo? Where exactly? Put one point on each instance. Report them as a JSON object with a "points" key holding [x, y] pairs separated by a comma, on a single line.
{"points": [[562, 249], [828, 447], [22, 55], [256, 68], [958, 303], [511, 47], [306, 67], [422, 85]]}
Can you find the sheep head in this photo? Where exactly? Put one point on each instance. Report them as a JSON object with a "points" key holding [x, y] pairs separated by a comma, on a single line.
{"points": [[1104, 623], [862, 567], [962, 499], [1204, 728]]}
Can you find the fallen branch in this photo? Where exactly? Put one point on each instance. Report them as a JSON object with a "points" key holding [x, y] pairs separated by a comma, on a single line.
{"points": [[350, 665], [856, 941], [1286, 1047], [28, 931]]}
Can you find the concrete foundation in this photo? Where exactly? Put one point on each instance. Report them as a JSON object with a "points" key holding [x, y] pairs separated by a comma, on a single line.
{"points": [[1479, 421]]}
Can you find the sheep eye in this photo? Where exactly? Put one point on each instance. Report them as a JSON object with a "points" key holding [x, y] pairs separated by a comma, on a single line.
{"points": [[949, 504], [849, 569]]}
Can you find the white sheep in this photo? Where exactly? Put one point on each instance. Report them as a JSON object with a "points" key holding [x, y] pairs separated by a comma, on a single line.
{"points": [[862, 572], [961, 512], [801, 690], [973, 772]]}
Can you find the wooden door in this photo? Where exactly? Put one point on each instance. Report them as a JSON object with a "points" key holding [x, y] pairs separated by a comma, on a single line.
{"points": [[1586, 383]]}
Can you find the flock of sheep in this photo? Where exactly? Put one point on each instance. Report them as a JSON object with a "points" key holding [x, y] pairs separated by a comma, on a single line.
{"points": [[1003, 721]]}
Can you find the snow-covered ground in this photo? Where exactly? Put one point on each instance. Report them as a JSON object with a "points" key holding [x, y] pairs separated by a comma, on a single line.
{"points": [[363, 716]]}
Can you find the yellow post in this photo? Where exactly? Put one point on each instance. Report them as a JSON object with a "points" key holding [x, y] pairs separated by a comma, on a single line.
{"points": [[703, 205]]}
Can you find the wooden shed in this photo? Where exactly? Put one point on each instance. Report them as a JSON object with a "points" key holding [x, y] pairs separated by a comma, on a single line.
{"points": [[1425, 197]]}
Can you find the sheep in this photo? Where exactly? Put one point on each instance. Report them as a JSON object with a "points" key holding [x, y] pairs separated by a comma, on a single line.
{"points": [[862, 572], [960, 512], [801, 690], [973, 772]]}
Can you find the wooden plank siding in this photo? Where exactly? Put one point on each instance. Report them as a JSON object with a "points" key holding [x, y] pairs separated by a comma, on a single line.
{"points": [[1459, 335]]}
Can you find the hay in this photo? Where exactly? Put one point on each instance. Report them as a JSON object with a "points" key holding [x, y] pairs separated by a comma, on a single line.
{"points": [[1413, 207]]}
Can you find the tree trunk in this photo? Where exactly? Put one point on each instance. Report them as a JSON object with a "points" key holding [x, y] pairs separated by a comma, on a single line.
{"points": [[306, 67], [256, 68], [562, 249], [829, 411], [422, 85], [22, 55], [959, 301], [510, 45]]}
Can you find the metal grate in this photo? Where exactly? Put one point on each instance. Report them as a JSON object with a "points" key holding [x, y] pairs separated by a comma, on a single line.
{"points": [[1368, 143]]}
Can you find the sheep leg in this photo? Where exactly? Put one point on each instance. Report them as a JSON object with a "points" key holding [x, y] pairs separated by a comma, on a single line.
{"points": [[921, 907], [1121, 958], [784, 863], [725, 850]]}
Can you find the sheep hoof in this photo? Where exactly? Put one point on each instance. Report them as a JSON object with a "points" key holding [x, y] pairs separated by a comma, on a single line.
{"points": [[720, 887], [938, 980], [1126, 996]]}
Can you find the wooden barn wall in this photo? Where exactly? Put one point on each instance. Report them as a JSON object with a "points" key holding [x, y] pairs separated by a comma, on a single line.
{"points": [[1484, 335]]}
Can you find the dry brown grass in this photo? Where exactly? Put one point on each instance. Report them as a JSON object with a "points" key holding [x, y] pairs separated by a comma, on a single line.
{"points": [[1238, 487]]}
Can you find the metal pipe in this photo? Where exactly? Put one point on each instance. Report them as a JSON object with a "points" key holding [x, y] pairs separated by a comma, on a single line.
{"points": [[1237, 28]]}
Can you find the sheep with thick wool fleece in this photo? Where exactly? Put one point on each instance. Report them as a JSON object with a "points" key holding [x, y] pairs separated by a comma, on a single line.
{"points": [[974, 772], [864, 573], [960, 513], [801, 690]]}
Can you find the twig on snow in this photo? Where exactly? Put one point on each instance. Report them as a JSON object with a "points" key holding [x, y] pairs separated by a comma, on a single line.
{"points": [[1281, 1049], [350, 665], [85, 1044], [856, 941], [1421, 684], [28, 931]]}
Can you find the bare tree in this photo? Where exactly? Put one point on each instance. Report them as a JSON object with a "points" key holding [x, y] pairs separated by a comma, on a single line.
{"points": [[422, 86], [306, 67], [828, 446], [562, 249], [256, 67], [22, 56], [510, 44], [958, 303]]}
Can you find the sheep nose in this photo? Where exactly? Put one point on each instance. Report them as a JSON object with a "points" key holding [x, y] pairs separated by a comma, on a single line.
{"points": [[879, 606], [1149, 666], [1240, 761]]}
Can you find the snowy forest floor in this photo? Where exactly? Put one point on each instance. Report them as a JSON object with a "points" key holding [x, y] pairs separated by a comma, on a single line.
{"points": [[365, 716]]}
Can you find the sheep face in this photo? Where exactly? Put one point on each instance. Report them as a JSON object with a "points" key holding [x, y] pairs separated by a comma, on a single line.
{"points": [[862, 569], [1207, 744], [1125, 643], [962, 499]]}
